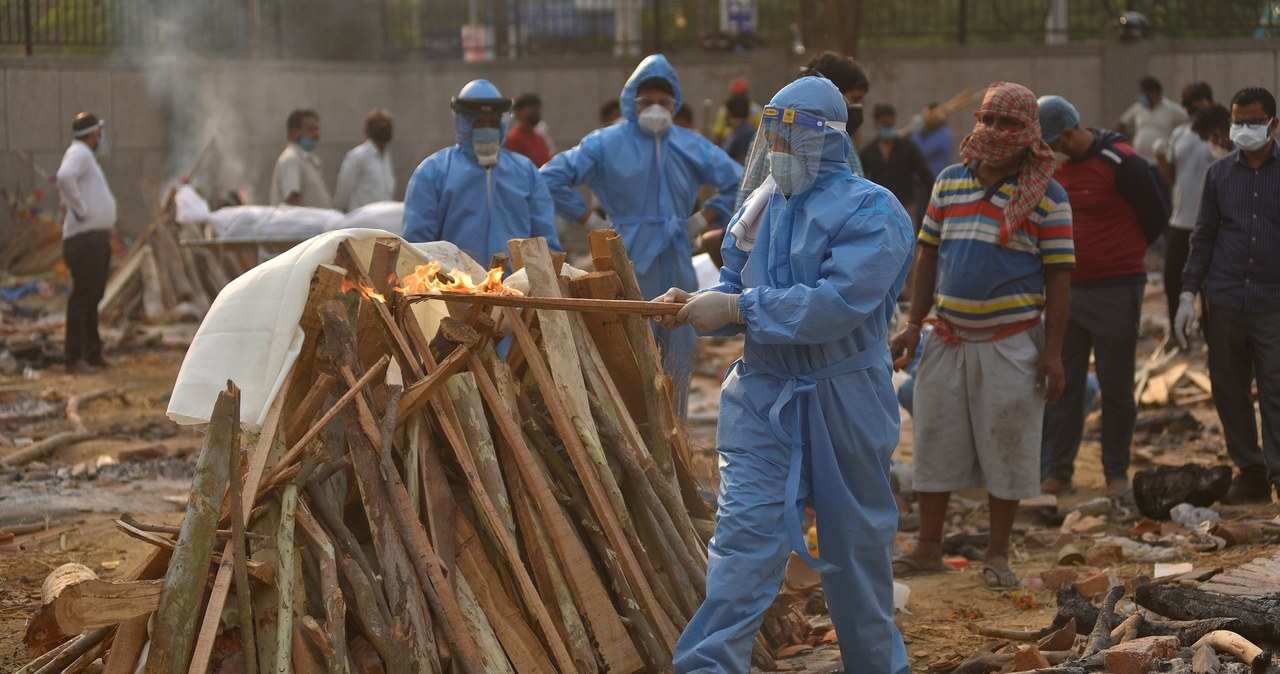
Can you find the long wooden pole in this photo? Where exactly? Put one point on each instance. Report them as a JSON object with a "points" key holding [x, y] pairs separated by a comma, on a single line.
{"points": [[562, 303]]}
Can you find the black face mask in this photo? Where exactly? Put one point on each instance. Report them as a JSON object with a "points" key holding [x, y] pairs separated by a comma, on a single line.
{"points": [[855, 119], [381, 136]]}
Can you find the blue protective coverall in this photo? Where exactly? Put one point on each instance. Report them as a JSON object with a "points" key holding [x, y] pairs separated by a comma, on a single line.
{"points": [[808, 413], [452, 198], [648, 187]]}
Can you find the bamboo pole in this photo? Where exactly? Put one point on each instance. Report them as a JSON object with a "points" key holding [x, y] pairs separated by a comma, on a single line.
{"points": [[285, 576]]}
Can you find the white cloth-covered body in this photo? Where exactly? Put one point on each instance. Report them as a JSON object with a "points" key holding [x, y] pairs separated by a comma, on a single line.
{"points": [[84, 190], [251, 333]]}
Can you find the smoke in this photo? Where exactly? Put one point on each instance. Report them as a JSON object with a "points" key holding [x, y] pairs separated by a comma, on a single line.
{"points": [[205, 126]]}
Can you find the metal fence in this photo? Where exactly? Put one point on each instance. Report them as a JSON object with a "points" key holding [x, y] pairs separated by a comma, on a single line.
{"points": [[481, 29]]}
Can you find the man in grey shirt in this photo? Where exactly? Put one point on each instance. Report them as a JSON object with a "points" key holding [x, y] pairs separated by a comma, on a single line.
{"points": [[297, 180]]}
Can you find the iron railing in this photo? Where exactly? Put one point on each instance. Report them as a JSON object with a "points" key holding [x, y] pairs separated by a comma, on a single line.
{"points": [[389, 29]]}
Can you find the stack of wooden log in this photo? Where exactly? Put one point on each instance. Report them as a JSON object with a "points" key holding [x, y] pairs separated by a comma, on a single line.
{"points": [[533, 513], [159, 280]]}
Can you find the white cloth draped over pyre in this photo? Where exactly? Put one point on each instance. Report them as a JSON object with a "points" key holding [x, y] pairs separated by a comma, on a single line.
{"points": [[528, 514]]}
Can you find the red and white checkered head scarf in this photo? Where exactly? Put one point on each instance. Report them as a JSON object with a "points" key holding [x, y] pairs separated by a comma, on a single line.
{"points": [[987, 144]]}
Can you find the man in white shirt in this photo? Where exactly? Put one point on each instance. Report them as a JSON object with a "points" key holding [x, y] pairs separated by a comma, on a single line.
{"points": [[366, 175], [297, 180], [86, 240], [1150, 119]]}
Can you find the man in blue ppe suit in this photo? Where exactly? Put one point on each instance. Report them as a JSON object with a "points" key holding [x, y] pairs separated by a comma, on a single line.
{"points": [[475, 194], [646, 174], [812, 264]]}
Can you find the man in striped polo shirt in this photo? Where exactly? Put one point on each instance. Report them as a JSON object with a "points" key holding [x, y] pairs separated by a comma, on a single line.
{"points": [[993, 255]]}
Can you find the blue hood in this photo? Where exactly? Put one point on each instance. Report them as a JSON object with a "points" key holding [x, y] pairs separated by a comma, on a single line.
{"points": [[818, 96], [463, 123], [654, 65]]}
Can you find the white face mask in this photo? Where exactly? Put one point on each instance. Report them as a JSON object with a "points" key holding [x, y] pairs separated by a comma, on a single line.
{"points": [[1251, 137], [655, 119], [484, 142]]}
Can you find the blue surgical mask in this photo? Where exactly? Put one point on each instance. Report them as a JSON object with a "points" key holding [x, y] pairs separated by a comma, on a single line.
{"points": [[887, 133], [787, 171], [1144, 99], [308, 143]]}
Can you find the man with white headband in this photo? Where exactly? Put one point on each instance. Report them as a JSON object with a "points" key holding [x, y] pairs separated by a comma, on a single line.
{"points": [[474, 194], [812, 264], [86, 239]]}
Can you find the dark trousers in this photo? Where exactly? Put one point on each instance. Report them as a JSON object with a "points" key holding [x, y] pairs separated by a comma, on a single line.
{"points": [[1243, 347], [88, 258], [1103, 321], [1177, 247]]}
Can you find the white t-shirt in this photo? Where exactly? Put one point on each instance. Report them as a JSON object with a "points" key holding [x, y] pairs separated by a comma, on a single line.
{"points": [[1150, 125], [299, 171], [365, 177], [84, 191], [1190, 156]]}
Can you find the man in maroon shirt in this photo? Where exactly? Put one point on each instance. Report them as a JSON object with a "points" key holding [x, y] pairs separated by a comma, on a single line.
{"points": [[523, 136], [1117, 210]]}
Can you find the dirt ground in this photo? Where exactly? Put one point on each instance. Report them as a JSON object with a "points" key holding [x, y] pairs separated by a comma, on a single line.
{"points": [[79, 509]]}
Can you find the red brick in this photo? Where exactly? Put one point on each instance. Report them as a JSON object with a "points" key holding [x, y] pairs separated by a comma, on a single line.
{"points": [[1028, 658], [1093, 585], [1057, 577], [1139, 656], [1105, 555]]}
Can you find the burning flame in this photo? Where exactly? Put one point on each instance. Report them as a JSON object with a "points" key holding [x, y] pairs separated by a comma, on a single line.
{"points": [[351, 286], [426, 279]]}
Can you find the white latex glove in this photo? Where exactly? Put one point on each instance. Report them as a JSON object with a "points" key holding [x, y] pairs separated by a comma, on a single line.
{"points": [[710, 311], [1184, 322], [695, 226], [673, 296], [595, 222]]}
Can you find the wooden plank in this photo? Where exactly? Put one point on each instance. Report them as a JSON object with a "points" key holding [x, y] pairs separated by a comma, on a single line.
{"points": [[611, 340]]}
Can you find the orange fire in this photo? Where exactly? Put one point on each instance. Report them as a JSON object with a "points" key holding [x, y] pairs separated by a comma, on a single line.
{"points": [[426, 279], [351, 286]]}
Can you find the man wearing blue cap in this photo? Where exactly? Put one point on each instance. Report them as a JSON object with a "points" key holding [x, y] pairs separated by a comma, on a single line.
{"points": [[1117, 210], [474, 193]]}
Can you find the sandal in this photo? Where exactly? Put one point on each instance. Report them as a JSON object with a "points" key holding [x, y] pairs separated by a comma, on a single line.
{"points": [[915, 567], [999, 579]]}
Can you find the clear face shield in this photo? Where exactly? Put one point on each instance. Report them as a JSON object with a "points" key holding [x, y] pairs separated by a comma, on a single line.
{"points": [[786, 152]]}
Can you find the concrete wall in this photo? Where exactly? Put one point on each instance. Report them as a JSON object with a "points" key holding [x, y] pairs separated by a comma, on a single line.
{"points": [[159, 114]]}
